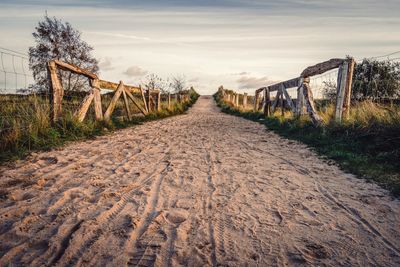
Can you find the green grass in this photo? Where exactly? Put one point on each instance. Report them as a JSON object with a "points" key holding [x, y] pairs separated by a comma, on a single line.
{"points": [[366, 144], [25, 124]]}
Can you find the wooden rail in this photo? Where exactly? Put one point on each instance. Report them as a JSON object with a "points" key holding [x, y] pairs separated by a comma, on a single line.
{"points": [[145, 100], [305, 101]]}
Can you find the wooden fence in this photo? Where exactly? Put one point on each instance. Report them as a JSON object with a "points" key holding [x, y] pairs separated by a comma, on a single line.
{"points": [[305, 101], [145, 100]]}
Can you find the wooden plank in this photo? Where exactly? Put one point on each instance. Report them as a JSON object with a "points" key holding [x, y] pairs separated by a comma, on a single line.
{"points": [[128, 112], [114, 86], [315, 118], [142, 110], [97, 99], [113, 102], [80, 114], [169, 100], [341, 90], [275, 102], [75, 69], [245, 100], [322, 67], [349, 82], [56, 91], [287, 84], [259, 90], [288, 99]]}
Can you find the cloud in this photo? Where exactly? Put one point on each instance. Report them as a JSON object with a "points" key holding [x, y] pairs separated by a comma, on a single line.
{"points": [[105, 64], [249, 82], [135, 71], [241, 73]]}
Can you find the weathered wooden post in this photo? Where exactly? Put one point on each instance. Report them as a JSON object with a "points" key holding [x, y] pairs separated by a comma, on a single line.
{"points": [[245, 100], [128, 112], [267, 104], [255, 101], [144, 99], [237, 100], [56, 91], [282, 103], [149, 100], [349, 82], [341, 90], [169, 100], [300, 101], [159, 101], [98, 112]]}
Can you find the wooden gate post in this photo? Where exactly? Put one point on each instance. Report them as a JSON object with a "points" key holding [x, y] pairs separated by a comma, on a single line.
{"points": [[97, 99], [341, 90], [169, 100], [300, 101], [349, 82], [245, 100], [56, 91]]}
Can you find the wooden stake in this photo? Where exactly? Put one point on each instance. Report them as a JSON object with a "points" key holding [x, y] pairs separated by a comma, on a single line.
{"points": [[81, 113], [169, 100], [282, 103], [341, 90], [144, 100], [113, 102], [349, 82], [288, 99], [144, 112], [97, 99], [128, 112], [245, 100], [316, 119], [56, 91], [275, 102], [159, 101]]}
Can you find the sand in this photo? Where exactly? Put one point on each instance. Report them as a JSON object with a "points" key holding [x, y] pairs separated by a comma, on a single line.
{"points": [[200, 189]]}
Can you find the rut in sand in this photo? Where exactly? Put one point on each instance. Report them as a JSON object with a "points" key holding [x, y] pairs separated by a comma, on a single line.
{"points": [[200, 189]]}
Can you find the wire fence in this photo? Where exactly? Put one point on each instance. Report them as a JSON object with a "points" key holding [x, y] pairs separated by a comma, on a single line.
{"points": [[15, 76]]}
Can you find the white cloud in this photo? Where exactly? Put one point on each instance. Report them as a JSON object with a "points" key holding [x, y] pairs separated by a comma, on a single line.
{"points": [[135, 71], [105, 64], [249, 82]]}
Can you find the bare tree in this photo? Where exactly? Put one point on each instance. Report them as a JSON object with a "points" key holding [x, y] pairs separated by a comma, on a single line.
{"points": [[154, 82], [178, 83], [56, 39]]}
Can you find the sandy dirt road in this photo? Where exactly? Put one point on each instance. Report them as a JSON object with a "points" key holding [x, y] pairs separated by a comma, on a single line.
{"points": [[200, 189]]}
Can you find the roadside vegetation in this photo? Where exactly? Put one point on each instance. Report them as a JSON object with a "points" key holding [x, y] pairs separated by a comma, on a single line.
{"points": [[366, 144], [25, 124]]}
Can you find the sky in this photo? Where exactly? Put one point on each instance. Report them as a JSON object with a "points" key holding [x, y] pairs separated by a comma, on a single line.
{"points": [[240, 44]]}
